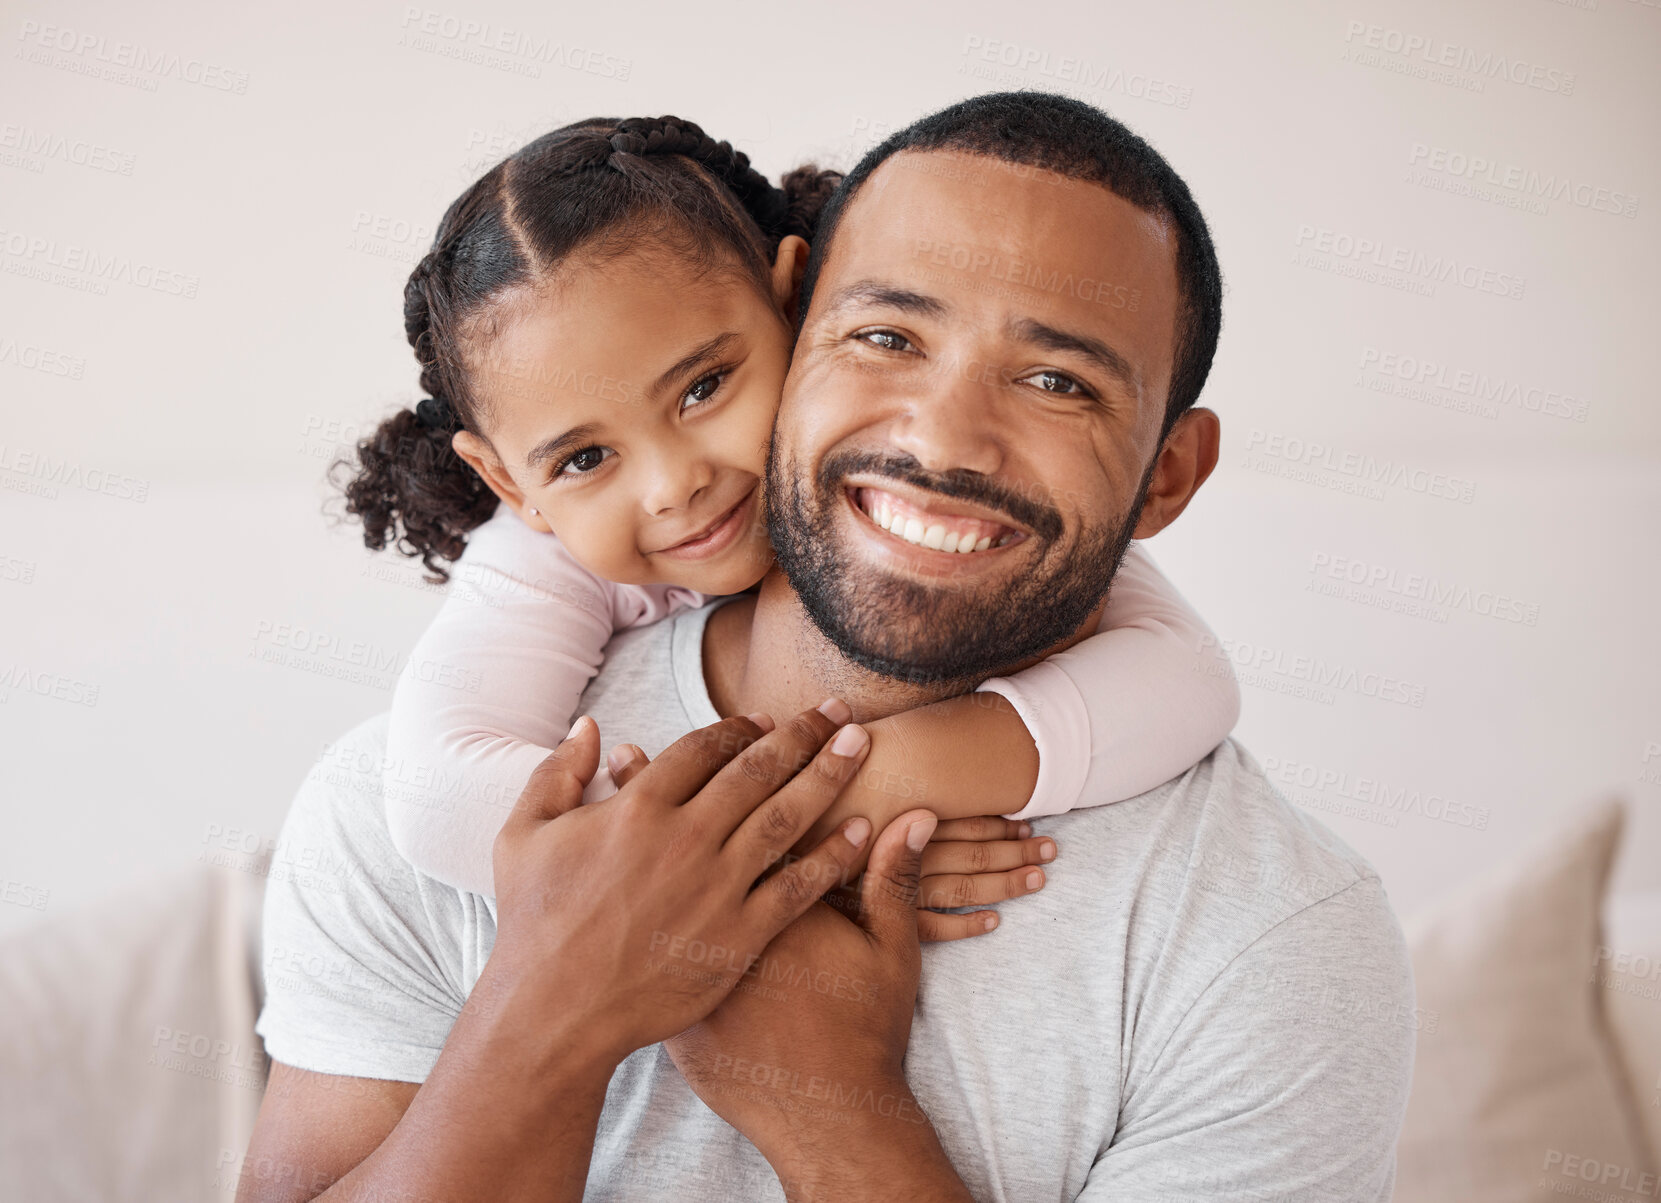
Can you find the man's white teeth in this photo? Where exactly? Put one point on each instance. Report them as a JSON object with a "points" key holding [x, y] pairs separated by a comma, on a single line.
{"points": [[937, 537]]}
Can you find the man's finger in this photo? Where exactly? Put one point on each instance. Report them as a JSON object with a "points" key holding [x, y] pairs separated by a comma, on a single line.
{"points": [[935, 928], [688, 764], [772, 828], [782, 898], [557, 784], [764, 768], [888, 895]]}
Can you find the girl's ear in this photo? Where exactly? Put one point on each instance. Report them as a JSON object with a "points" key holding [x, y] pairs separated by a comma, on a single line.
{"points": [[482, 458], [789, 265]]}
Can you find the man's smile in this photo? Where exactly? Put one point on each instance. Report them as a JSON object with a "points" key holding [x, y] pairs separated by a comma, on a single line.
{"points": [[934, 524], [923, 533]]}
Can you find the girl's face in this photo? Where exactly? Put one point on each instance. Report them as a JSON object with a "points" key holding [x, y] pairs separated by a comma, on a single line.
{"points": [[630, 402]]}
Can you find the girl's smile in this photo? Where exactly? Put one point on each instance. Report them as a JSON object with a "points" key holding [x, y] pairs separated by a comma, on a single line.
{"points": [[715, 537]]}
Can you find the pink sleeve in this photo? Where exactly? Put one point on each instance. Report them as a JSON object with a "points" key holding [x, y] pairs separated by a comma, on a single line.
{"points": [[492, 686], [1139, 702]]}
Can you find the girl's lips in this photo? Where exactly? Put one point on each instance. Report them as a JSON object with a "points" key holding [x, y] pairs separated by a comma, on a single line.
{"points": [[716, 538]]}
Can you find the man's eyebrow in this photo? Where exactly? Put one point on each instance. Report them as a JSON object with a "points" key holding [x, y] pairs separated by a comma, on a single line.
{"points": [[572, 440], [712, 350], [875, 292], [1093, 349]]}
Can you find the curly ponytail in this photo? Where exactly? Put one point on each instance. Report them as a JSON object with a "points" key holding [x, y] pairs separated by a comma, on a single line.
{"points": [[412, 491], [592, 183]]}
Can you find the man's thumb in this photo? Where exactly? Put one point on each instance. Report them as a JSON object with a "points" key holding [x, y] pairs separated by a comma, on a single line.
{"points": [[888, 894], [557, 784]]}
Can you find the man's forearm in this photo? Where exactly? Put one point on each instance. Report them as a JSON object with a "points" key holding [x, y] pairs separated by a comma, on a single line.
{"points": [[509, 1112], [887, 1150]]}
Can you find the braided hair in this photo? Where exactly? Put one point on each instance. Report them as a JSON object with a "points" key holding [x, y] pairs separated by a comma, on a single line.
{"points": [[598, 186]]}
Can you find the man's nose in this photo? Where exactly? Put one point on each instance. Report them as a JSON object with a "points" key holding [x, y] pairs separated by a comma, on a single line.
{"points": [[953, 421]]}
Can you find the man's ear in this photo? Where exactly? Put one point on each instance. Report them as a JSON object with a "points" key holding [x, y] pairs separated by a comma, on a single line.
{"points": [[1185, 461], [482, 458], [789, 265]]}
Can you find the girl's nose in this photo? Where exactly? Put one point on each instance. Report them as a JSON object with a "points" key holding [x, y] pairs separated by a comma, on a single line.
{"points": [[675, 482]]}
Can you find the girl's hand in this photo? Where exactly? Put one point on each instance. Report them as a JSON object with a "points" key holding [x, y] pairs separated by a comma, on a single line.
{"points": [[969, 862], [973, 862]]}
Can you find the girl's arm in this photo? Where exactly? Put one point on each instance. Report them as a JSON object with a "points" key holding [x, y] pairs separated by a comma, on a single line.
{"points": [[492, 688], [1141, 701]]}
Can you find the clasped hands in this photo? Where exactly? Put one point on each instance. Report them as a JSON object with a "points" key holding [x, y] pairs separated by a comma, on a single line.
{"points": [[675, 911]]}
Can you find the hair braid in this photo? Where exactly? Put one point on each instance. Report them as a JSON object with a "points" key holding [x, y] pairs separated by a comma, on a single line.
{"points": [[418, 321], [766, 204]]}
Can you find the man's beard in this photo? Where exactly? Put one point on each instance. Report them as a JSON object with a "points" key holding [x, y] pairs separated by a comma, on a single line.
{"points": [[929, 634]]}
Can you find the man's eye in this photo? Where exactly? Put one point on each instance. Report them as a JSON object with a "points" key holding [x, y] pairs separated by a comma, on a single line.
{"points": [[1056, 382], [887, 340], [703, 390], [585, 461]]}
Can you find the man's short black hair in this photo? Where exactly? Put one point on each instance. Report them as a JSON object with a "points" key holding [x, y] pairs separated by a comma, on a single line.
{"points": [[1079, 141]]}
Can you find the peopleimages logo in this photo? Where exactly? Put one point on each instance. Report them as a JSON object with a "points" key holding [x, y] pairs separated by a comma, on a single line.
{"points": [[496, 46], [26, 471], [1372, 581], [1524, 181], [1376, 261], [37, 358], [1263, 665], [1394, 798], [1602, 1174], [1365, 43], [987, 55], [31, 255], [93, 54], [1421, 379], [40, 145], [1311, 457], [47, 685]]}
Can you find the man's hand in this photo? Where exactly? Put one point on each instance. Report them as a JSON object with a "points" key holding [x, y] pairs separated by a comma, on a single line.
{"points": [[598, 905], [590, 902], [805, 1056]]}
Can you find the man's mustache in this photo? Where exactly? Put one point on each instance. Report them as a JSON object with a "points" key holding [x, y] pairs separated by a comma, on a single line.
{"points": [[961, 483]]}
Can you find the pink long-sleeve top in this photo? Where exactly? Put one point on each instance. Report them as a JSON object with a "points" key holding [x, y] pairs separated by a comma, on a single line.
{"points": [[492, 687]]}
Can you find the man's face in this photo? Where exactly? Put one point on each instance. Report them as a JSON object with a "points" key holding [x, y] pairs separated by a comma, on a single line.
{"points": [[973, 408]]}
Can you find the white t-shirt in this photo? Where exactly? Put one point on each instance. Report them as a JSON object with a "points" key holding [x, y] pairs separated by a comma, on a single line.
{"points": [[1210, 999]]}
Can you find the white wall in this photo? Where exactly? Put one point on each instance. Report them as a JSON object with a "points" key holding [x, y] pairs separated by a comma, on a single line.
{"points": [[286, 166]]}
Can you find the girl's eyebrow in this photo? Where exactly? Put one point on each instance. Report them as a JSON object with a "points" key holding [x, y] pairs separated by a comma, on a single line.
{"points": [[559, 444], [711, 350]]}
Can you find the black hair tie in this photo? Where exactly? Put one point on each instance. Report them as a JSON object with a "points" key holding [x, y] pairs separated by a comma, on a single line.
{"points": [[435, 413]]}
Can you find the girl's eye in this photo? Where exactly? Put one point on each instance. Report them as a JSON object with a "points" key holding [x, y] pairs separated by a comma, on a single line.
{"points": [[585, 461], [703, 390], [887, 340], [1057, 382]]}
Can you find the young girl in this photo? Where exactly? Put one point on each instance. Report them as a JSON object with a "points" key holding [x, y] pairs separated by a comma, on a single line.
{"points": [[604, 324]]}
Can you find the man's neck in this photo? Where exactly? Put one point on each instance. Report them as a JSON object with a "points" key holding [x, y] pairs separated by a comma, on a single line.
{"points": [[765, 654]]}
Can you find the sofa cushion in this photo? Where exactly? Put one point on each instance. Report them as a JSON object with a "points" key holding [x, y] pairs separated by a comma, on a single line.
{"points": [[1518, 1093]]}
